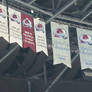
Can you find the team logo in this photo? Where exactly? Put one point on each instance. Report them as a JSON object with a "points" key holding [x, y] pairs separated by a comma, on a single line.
{"points": [[39, 27], [15, 18], [27, 23], [85, 38], [2, 13], [60, 33]]}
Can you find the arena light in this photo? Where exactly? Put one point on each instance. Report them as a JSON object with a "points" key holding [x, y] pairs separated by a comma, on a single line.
{"points": [[32, 11]]}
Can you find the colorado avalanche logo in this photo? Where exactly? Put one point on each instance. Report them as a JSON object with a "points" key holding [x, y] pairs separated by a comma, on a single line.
{"points": [[86, 39], [61, 33], [39, 27], [15, 18], [27, 23], [2, 13]]}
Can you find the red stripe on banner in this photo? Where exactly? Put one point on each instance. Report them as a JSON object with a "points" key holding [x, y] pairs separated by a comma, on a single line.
{"points": [[28, 32]]}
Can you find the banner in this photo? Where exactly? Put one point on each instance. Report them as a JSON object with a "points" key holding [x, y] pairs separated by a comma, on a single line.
{"points": [[3, 23], [28, 32], [40, 36], [15, 26], [85, 47], [60, 43]]}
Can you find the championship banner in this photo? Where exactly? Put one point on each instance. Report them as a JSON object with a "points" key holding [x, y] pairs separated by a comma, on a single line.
{"points": [[60, 43], [28, 32], [3, 23], [85, 47], [40, 36], [15, 26]]}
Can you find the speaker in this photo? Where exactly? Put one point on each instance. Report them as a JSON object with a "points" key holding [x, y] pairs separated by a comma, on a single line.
{"points": [[32, 63], [20, 61], [37, 66], [28, 60]]}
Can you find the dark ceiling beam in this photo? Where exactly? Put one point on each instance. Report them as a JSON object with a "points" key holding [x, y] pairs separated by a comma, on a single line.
{"points": [[87, 6], [58, 4], [89, 13], [50, 14], [60, 11], [53, 5]]}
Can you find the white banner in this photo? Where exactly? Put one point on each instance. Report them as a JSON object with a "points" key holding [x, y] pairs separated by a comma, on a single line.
{"points": [[15, 26], [60, 44], [40, 36], [3, 23], [85, 47]]}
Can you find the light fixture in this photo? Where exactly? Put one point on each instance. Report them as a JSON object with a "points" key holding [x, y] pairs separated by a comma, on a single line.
{"points": [[32, 11]]}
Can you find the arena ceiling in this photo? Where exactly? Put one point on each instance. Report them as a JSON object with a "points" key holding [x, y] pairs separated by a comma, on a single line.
{"points": [[76, 11]]}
